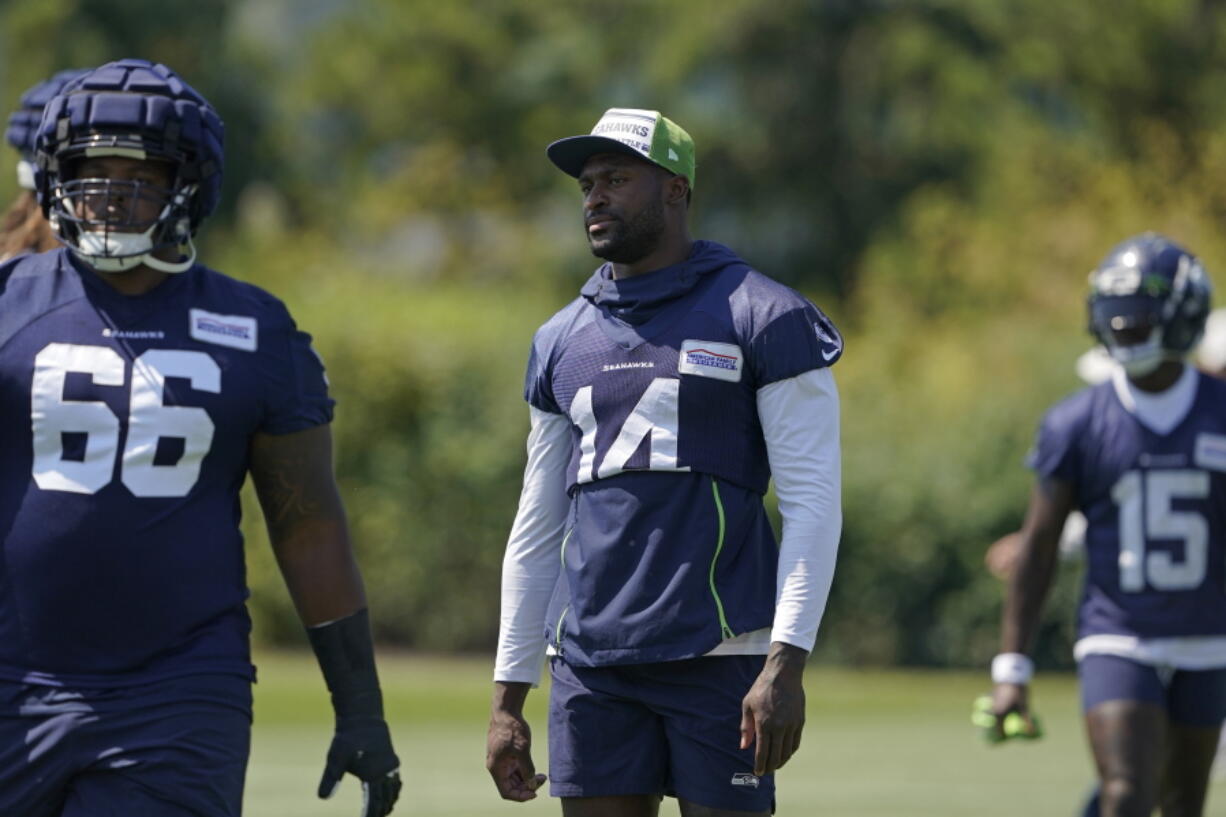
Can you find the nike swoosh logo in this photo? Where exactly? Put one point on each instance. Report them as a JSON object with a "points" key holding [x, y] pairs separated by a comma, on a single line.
{"points": [[829, 355]]}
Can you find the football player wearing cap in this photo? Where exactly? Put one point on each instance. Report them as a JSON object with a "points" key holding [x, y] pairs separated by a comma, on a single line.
{"points": [[662, 401], [1143, 456], [22, 227], [150, 386]]}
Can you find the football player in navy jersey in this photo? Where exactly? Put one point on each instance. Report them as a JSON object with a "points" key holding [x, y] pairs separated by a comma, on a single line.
{"points": [[22, 227], [150, 386], [662, 400], [1143, 456]]}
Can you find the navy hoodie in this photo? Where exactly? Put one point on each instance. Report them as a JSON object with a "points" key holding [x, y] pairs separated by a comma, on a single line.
{"points": [[667, 547]]}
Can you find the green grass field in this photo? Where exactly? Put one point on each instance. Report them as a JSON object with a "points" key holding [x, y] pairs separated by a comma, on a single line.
{"points": [[877, 744]]}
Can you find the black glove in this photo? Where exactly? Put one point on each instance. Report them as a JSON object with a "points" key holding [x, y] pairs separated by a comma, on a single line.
{"points": [[364, 749], [362, 744]]}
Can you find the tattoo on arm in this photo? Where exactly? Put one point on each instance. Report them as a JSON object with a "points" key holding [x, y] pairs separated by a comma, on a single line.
{"points": [[283, 494], [293, 478]]}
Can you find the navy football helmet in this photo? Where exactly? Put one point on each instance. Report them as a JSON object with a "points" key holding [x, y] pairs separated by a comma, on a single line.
{"points": [[23, 122], [1148, 302], [134, 109]]}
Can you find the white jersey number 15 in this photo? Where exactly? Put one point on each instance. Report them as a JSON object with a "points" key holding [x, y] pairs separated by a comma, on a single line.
{"points": [[1144, 499]]}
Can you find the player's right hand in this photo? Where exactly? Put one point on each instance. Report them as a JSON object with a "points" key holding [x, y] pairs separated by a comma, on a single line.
{"points": [[1011, 716], [508, 757]]}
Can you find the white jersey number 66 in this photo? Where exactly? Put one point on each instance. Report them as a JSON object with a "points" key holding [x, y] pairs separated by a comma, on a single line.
{"points": [[148, 420]]}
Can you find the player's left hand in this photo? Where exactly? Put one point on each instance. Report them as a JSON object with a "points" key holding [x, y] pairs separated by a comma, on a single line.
{"points": [[363, 747], [773, 712]]}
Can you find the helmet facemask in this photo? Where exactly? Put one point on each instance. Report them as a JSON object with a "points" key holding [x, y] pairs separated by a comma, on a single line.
{"points": [[117, 224], [1130, 327]]}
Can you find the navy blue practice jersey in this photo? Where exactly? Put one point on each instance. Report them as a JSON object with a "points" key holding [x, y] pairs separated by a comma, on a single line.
{"points": [[1155, 506], [127, 424], [668, 549]]}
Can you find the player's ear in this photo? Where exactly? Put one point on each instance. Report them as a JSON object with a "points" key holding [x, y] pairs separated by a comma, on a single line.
{"points": [[677, 190]]}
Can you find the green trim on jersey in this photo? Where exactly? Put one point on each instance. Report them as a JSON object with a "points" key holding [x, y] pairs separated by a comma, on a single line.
{"points": [[719, 546]]}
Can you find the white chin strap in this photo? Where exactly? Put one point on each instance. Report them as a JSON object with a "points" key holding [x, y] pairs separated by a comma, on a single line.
{"points": [[117, 252]]}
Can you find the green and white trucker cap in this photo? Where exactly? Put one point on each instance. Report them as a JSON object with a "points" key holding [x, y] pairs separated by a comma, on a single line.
{"points": [[646, 134]]}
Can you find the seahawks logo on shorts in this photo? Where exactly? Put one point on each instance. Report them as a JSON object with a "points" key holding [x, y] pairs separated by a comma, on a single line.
{"points": [[745, 779]]}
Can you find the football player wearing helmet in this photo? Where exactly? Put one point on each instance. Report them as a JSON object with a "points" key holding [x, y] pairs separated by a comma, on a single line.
{"points": [[23, 228], [663, 400], [1143, 456], [152, 385]]}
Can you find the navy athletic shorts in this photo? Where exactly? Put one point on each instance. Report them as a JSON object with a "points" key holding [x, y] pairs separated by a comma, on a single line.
{"points": [[1190, 697], [668, 728], [176, 748]]}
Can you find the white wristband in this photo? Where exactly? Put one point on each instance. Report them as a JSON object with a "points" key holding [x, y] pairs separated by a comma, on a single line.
{"points": [[1012, 668]]}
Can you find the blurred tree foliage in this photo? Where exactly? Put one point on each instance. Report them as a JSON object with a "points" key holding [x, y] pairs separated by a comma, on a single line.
{"points": [[938, 175]]}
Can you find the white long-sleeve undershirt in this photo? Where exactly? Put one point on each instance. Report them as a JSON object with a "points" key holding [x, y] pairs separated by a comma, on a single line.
{"points": [[800, 423], [533, 557]]}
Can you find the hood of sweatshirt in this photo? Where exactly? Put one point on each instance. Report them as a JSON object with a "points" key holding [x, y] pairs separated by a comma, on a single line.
{"points": [[638, 299]]}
